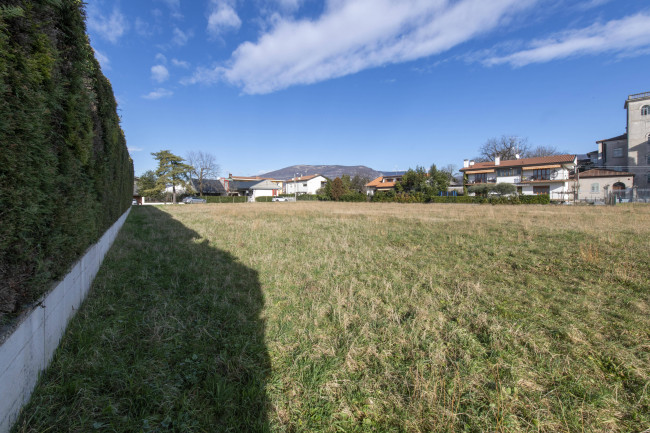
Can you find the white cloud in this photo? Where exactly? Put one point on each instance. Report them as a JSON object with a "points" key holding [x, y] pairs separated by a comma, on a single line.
{"points": [[160, 57], [180, 37], [135, 149], [110, 28], [353, 35], [159, 73], [180, 63], [628, 36], [143, 28], [290, 5], [103, 60], [222, 18], [175, 8], [158, 93]]}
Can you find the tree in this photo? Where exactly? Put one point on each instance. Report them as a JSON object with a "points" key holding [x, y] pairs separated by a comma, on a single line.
{"points": [[543, 151], [507, 147], [503, 188], [337, 189], [171, 171], [358, 183], [415, 181], [439, 179], [204, 166], [147, 185]]}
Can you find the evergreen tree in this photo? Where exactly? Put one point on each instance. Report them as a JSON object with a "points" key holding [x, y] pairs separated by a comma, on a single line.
{"points": [[171, 171], [338, 189]]}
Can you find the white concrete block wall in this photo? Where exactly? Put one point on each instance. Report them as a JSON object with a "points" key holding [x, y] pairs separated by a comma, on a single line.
{"points": [[27, 351]]}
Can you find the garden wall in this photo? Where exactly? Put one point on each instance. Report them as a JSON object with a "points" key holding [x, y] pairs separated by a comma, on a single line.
{"points": [[27, 348]]}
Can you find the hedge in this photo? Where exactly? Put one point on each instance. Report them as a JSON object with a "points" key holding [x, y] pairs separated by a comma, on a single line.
{"points": [[392, 197], [65, 172], [224, 199], [264, 199]]}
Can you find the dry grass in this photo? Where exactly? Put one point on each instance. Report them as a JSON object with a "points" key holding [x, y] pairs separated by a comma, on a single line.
{"points": [[418, 318]]}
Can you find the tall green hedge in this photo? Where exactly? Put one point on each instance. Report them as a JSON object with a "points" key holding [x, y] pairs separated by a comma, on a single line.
{"points": [[65, 172], [225, 199]]}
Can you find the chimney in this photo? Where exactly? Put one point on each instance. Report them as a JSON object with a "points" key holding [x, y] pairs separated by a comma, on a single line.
{"points": [[517, 156], [497, 160], [471, 163], [465, 163]]}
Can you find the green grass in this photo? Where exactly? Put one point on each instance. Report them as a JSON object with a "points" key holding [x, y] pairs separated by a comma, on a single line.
{"points": [[299, 317]]}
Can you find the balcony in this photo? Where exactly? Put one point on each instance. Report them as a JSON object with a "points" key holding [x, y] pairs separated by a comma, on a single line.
{"points": [[480, 181], [638, 96]]}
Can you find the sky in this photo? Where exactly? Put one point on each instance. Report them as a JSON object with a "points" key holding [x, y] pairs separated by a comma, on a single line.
{"points": [[390, 84]]}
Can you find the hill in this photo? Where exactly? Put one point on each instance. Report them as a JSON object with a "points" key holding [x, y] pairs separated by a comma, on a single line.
{"points": [[329, 171]]}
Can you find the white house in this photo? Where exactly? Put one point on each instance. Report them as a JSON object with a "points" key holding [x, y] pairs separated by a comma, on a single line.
{"points": [[532, 176], [305, 184]]}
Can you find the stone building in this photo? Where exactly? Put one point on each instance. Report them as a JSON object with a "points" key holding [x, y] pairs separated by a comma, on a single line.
{"points": [[630, 152]]}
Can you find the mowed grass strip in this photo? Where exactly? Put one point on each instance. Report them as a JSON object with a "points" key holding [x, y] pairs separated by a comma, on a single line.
{"points": [[332, 317]]}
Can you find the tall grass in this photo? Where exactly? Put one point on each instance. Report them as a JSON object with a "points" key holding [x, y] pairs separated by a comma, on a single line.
{"points": [[363, 317]]}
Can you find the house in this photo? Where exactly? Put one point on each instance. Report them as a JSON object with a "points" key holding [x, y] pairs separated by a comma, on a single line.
{"points": [[211, 186], [254, 188], [532, 176], [278, 182], [305, 184], [596, 184], [384, 183], [630, 152]]}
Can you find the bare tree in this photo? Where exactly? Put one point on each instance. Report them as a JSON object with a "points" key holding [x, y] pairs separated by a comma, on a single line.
{"points": [[204, 166], [543, 151], [509, 146], [506, 147]]}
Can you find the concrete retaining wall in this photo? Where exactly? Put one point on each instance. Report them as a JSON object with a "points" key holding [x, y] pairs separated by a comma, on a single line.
{"points": [[28, 349]]}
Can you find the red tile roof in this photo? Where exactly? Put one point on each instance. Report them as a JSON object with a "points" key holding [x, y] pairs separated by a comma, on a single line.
{"points": [[302, 178], [601, 172], [378, 183], [542, 160]]}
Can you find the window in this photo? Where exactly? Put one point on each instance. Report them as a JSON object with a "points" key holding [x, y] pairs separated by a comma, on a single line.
{"points": [[645, 110], [542, 174], [647, 159], [618, 152], [502, 172], [305, 185], [539, 190], [480, 178], [595, 187]]}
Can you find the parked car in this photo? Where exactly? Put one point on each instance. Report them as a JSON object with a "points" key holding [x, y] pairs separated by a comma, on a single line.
{"points": [[279, 199], [134, 202], [190, 200]]}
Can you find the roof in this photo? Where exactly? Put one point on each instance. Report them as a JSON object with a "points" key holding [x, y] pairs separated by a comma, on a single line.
{"points": [[393, 173], [620, 137], [378, 183], [210, 186], [255, 184], [541, 160], [602, 172], [303, 178], [251, 178]]}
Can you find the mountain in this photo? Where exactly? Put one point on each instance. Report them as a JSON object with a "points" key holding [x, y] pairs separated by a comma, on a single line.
{"points": [[329, 171]]}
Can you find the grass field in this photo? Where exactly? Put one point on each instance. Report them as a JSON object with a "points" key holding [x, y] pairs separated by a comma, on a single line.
{"points": [[325, 317]]}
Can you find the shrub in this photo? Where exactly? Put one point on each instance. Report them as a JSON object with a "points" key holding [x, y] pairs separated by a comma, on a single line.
{"points": [[225, 199], [308, 197], [263, 199], [65, 172], [354, 197]]}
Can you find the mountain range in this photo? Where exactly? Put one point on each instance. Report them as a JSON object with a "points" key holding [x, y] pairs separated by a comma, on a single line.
{"points": [[329, 171]]}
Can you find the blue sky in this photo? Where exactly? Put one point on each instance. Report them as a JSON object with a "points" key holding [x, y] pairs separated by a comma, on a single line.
{"points": [[391, 84]]}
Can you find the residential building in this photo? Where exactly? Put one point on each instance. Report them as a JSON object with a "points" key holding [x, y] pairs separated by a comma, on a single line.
{"points": [[211, 186], [304, 184], [254, 188], [630, 152], [384, 183], [596, 184], [532, 176]]}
